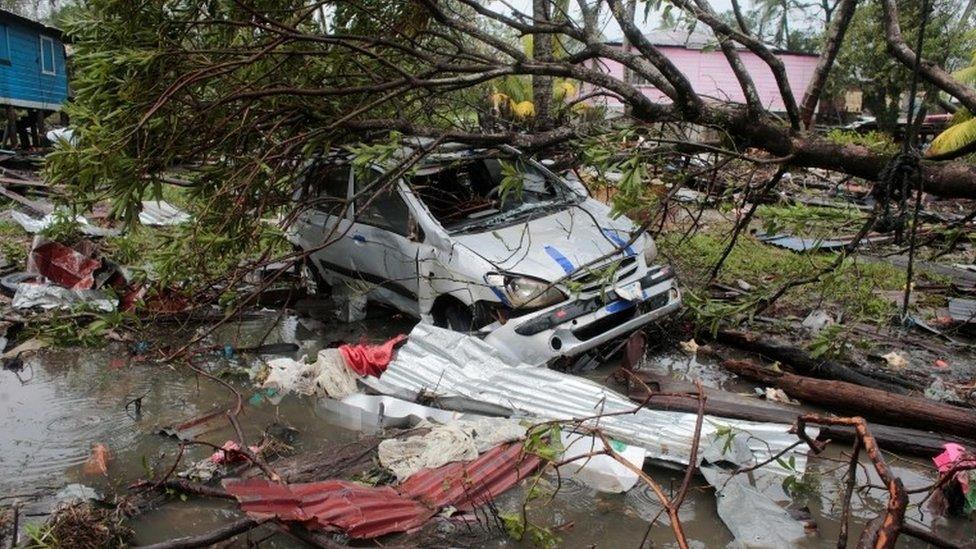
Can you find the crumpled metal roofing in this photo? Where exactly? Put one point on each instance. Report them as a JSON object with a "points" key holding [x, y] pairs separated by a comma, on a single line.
{"points": [[159, 213], [368, 512], [461, 372]]}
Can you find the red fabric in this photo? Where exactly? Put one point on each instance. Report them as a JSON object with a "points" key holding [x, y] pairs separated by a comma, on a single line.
{"points": [[370, 360], [64, 266]]}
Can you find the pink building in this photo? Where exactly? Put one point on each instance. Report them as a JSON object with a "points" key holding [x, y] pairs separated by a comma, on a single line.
{"points": [[697, 56]]}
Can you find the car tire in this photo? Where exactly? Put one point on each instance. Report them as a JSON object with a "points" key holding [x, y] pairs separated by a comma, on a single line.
{"points": [[457, 317], [312, 279]]}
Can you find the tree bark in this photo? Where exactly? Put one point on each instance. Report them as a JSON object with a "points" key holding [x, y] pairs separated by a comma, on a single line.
{"points": [[906, 441], [541, 84], [843, 397], [835, 37], [799, 361]]}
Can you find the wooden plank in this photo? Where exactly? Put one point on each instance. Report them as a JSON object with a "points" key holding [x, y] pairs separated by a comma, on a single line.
{"points": [[42, 208]]}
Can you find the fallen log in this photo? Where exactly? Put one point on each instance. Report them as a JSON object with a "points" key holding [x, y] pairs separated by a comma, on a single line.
{"points": [[843, 397], [801, 362], [905, 441]]}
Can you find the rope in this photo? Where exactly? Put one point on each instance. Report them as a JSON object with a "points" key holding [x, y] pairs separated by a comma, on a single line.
{"points": [[908, 147]]}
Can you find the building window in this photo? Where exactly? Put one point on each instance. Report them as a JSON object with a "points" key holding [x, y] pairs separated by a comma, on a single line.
{"points": [[47, 55], [4, 46]]}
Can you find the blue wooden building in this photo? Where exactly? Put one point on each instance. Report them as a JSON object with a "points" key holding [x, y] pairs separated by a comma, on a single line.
{"points": [[33, 73]]}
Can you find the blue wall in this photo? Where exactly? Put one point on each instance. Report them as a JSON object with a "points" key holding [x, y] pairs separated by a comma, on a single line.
{"points": [[23, 83]]}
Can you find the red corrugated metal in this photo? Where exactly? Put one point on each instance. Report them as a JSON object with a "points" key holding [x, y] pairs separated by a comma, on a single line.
{"points": [[369, 512], [468, 485]]}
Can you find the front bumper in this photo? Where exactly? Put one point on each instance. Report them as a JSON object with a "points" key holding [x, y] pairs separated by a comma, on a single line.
{"points": [[585, 322]]}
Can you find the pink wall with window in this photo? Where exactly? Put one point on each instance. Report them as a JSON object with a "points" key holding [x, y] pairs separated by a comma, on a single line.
{"points": [[712, 77]]}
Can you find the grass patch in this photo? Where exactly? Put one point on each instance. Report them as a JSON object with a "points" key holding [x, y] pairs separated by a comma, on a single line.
{"points": [[875, 141], [14, 243], [809, 220], [853, 289]]}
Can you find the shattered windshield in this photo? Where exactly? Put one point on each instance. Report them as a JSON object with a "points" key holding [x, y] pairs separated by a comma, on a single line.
{"points": [[491, 191]]}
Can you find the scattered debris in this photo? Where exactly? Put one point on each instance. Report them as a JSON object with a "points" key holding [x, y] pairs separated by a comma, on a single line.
{"points": [[600, 472], [963, 310], [690, 347], [817, 320], [35, 226], [459, 440], [895, 360], [97, 463], [461, 372], [773, 394], [161, 213]]}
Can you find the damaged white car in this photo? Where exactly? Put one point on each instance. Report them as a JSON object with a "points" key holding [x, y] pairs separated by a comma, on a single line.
{"points": [[484, 240]]}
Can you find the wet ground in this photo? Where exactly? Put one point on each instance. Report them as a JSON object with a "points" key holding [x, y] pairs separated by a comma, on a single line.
{"points": [[66, 400]]}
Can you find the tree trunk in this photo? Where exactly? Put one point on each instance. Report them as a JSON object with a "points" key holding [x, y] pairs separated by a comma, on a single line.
{"points": [[542, 85], [799, 361], [730, 405], [847, 398]]}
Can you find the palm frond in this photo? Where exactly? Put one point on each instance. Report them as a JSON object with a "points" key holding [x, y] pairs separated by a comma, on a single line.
{"points": [[955, 140]]}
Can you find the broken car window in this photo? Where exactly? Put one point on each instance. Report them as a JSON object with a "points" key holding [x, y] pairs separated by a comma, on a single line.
{"points": [[385, 210], [328, 185], [486, 192]]}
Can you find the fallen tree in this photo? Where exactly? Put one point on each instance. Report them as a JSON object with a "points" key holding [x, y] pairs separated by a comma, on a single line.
{"points": [[872, 403], [918, 442]]}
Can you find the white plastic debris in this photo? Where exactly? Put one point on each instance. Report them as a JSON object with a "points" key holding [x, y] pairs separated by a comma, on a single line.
{"points": [[161, 213], [459, 440], [600, 472], [754, 519], [48, 297], [35, 226], [362, 412], [817, 320], [62, 135], [327, 376]]}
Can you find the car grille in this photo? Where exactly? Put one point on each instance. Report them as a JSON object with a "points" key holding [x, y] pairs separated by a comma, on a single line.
{"points": [[613, 320], [596, 278]]}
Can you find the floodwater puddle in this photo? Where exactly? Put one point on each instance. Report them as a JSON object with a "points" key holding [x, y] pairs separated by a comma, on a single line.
{"points": [[66, 400]]}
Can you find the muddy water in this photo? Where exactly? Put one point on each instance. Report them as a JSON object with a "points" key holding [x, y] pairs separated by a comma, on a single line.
{"points": [[67, 400]]}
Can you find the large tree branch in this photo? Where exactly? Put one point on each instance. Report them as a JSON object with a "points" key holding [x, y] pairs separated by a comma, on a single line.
{"points": [[930, 71], [687, 100], [755, 46], [844, 12], [753, 103]]}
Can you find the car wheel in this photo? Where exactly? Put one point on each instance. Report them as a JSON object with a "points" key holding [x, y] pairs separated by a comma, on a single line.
{"points": [[457, 317], [312, 279]]}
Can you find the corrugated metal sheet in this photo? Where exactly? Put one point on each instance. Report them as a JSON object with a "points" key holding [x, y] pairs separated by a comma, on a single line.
{"points": [[468, 485], [460, 372], [368, 512], [962, 310], [161, 213], [334, 505]]}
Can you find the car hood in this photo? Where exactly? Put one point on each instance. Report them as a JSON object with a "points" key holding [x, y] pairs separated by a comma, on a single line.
{"points": [[550, 247]]}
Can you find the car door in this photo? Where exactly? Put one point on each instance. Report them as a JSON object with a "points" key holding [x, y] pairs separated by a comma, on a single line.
{"points": [[327, 222], [385, 242]]}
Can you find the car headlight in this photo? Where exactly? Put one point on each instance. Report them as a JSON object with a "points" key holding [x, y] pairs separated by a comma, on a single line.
{"points": [[650, 251], [522, 291]]}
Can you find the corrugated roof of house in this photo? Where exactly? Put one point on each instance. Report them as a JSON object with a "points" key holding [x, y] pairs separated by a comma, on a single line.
{"points": [[7, 14], [695, 39]]}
